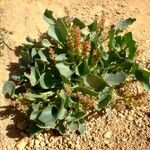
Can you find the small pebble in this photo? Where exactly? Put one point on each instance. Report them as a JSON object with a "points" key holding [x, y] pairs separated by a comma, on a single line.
{"points": [[22, 144], [108, 135], [129, 117]]}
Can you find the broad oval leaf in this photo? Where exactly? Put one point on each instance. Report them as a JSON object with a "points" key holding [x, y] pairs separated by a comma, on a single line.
{"points": [[114, 79], [34, 115], [86, 90], [60, 127], [48, 115], [75, 116], [9, 88], [33, 76], [111, 36], [54, 33], [44, 55], [40, 65], [144, 77], [61, 28], [61, 57], [74, 126], [62, 112], [93, 26], [64, 69], [82, 69], [33, 52], [78, 22], [47, 126], [36, 107], [131, 44], [46, 43], [81, 128], [34, 128], [47, 80], [48, 16], [103, 102], [94, 81]]}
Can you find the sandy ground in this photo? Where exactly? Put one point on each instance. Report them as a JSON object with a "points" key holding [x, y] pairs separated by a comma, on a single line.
{"points": [[23, 18]]}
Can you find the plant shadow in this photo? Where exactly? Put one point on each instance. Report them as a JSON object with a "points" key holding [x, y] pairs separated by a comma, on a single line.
{"points": [[13, 69], [19, 127]]}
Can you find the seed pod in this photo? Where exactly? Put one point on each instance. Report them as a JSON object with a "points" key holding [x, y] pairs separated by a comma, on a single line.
{"points": [[86, 48], [77, 37]]}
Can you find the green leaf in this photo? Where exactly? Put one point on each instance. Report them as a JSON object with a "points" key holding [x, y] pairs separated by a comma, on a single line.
{"points": [[34, 128], [81, 128], [34, 115], [62, 112], [48, 115], [104, 98], [63, 96], [73, 126], [50, 125], [134, 68], [48, 16], [114, 79], [111, 36], [64, 69], [123, 24], [61, 57], [54, 33], [93, 26], [86, 90], [33, 52], [58, 32], [104, 55], [60, 127], [40, 65], [143, 76], [39, 96], [36, 107], [33, 76], [9, 88], [92, 36], [94, 81], [104, 101], [79, 23], [47, 80], [75, 116], [46, 43], [65, 79], [131, 44], [127, 66], [44, 55], [82, 69], [62, 30]]}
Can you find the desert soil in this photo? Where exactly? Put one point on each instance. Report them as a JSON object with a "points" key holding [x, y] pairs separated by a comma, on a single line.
{"points": [[120, 128]]}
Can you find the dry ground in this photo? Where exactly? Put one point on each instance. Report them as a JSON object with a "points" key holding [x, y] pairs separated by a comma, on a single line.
{"points": [[120, 130]]}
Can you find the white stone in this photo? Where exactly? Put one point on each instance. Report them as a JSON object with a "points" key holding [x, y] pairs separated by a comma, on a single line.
{"points": [[108, 134], [21, 145]]}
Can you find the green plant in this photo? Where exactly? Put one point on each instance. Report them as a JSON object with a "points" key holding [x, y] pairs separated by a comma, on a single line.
{"points": [[75, 54]]}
